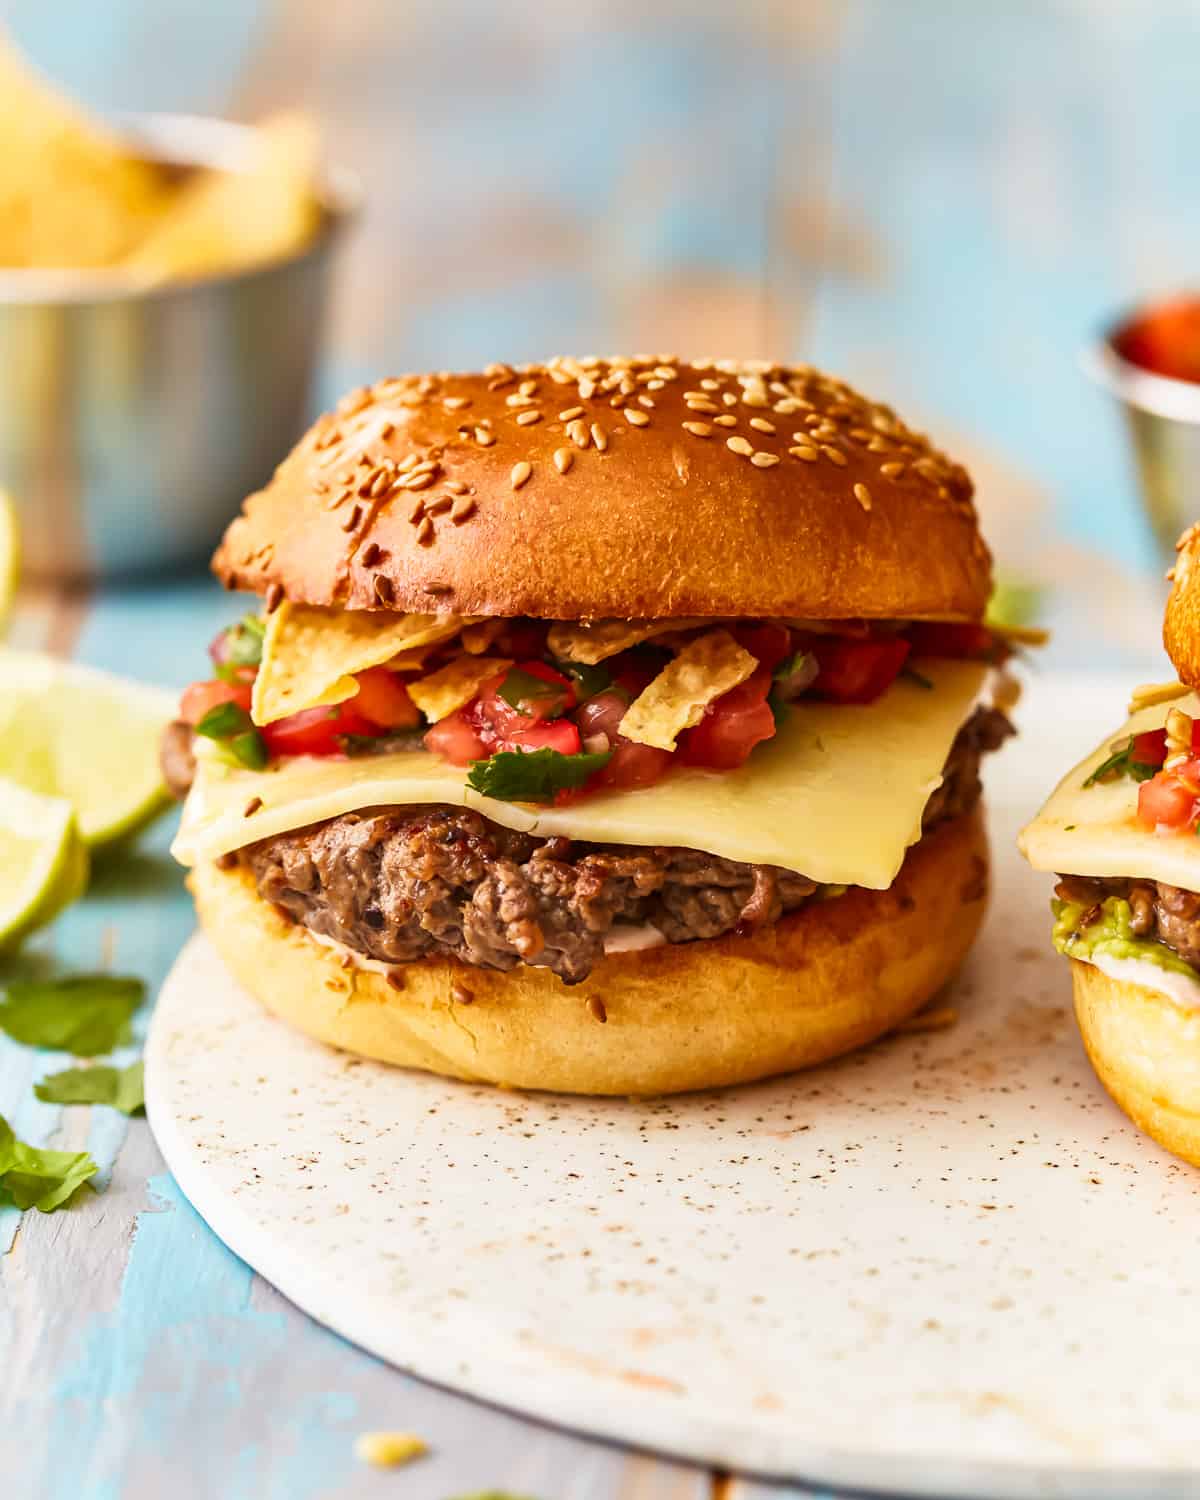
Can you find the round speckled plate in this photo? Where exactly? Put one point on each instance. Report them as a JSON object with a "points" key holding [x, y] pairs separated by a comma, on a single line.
{"points": [[944, 1266]]}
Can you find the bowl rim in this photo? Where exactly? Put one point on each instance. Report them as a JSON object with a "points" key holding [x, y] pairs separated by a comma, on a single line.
{"points": [[185, 140], [1145, 390]]}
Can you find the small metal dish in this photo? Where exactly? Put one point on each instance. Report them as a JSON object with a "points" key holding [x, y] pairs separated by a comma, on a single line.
{"points": [[1163, 418], [133, 421]]}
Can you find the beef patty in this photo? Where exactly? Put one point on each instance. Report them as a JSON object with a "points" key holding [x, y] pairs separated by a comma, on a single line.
{"points": [[1158, 912], [400, 883]]}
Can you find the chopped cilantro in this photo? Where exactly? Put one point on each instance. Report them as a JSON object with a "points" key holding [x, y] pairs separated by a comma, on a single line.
{"points": [[85, 1014], [516, 776], [233, 728], [520, 689], [34, 1178], [778, 705], [243, 647], [587, 681], [121, 1088], [1121, 763]]}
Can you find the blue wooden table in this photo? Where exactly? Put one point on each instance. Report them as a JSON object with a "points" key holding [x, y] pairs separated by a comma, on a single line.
{"points": [[938, 199]]}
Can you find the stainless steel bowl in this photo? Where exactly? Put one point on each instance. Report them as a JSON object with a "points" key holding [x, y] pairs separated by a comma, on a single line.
{"points": [[1163, 418], [133, 422]]}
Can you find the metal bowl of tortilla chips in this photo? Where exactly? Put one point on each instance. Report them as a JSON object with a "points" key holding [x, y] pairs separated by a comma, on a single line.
{"points": [[161, 313]]}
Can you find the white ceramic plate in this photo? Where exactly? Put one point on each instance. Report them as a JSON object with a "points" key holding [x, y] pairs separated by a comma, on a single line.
{"points": [[946, 1265]]}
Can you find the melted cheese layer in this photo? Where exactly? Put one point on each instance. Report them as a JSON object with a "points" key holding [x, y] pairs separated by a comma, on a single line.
{"points": [[836, 795], [1093, 830]]}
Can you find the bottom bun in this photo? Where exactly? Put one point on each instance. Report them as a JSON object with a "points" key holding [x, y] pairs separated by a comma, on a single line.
{"points": [[1146, 1051], [826, 978]]}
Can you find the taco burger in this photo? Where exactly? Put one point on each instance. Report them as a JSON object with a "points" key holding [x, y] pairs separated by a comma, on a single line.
{"points": [[606, 726]]}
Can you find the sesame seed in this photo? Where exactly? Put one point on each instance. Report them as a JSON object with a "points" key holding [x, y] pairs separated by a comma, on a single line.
{"points": [[570, 413], [416, 511], [809, 455], [274, 597], [710, 384], [739, 445], [834, 455], [702, 403], [760, 424], [520, 474], [460, 994], [764, 460], [597, 1009], [655, 385], [518, 400], [352, 519], [698, 429], [409, 461], [464, 507], [440, 506], [455, 403], [879, 445], [252, 807], [726, 420], [863, 495], [647, 402], [599, 436], [425, 531], [563, 459], [383, 586], [587, 389], [729, 398], [637, 418], [371, 554], [484, 438], [420, 481], [578, 433], [755, 396], [527, 418], [528, 388], [786, 406], [893, 471]]}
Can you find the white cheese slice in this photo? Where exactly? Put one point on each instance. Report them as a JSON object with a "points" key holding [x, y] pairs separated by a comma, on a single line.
{"points": [[837, 795], [1093, 830]]}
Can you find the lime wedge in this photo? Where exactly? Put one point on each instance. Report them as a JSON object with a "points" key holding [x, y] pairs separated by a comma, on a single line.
{"points": [[43, 860], [10, 556], [69, 731]]}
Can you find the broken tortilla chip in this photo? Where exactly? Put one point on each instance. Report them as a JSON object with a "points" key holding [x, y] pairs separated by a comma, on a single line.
{"points": [[477, 638], [676, 699], [594, 641], [454, 684], [310, 654]]}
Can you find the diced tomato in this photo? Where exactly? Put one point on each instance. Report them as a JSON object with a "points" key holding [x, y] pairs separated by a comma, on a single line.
{"points": [[1170, 801], [767, 643], [457, 740], [551, 734], [731, 727], [492, 714], [201, 696], [954, 639], [856, 671], [1150, 748], [383, 698], [315, 731]]}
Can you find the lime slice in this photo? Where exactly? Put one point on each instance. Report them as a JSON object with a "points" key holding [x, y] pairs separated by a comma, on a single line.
{"points": [[43, 860], [10, 556], [69, 731]]}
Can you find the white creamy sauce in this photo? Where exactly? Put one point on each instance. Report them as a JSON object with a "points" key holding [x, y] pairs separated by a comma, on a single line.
{"points": [[624, 937], [1180, 988], [630, 937]]}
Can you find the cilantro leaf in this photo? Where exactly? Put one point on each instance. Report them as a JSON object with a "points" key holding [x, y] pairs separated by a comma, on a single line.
{"points": [[517, 776], [519, 689], [120, 1088], [86, 1014], [232, 727], [1121, 763], [587, 681], [243, 647], [31, 1177]]}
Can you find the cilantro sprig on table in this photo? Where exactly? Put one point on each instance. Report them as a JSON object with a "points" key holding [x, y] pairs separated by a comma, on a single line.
{"points": [[84, 1014], [533, 776], [33, 1177], [120, 1088]]}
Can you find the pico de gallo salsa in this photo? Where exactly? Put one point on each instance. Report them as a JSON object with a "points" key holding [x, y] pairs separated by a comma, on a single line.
{"points": [[548, 730], [1169, 795]]}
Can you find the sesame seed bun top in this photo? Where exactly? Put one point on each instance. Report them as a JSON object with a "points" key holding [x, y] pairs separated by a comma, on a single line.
{"points": [[1181, 624], [627, 488]]}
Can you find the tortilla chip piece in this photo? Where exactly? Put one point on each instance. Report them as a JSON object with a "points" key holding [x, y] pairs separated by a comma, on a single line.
{"points": [[710, 665], [227, 220], [454, 684], [310, 653], [594, 641], [477, 638]]}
